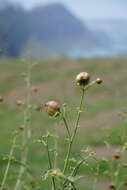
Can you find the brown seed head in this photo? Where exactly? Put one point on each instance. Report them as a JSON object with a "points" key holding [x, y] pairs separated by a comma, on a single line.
{"points": [[82, 79], [52, 108], [35, 90], [112, 186], [116, 156]]}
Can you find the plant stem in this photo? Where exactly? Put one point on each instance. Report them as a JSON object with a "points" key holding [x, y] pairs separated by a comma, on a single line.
{"points": [[77, 167], [9, 162], [49, 159], [27, 130], [50, 164], [73, 186], [67, 127], [55, 148], [75, 170], [74, 173], [74, 133], [24, 157]]}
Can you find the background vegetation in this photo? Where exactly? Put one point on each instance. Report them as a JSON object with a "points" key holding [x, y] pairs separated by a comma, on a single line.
{"points": [[103, 122]]}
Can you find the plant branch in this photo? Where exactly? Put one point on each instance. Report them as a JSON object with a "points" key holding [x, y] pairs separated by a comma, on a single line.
{"points": [[9, 162], [67, 127], [50, 163], [74, 133]]}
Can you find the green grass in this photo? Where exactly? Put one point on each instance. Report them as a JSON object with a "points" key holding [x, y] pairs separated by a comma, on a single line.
{"points": [[55, 80]]}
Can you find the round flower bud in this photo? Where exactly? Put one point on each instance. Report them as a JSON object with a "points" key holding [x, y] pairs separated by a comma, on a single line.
{"points": [[21, 128], [82, 79], [98, 81], [116, 156], [52, 108], [112, 186], [35, 90], [1, 99], [19, 102]]}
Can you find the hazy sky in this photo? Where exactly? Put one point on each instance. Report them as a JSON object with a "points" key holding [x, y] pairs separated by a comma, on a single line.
{"points": [[87, 8]]}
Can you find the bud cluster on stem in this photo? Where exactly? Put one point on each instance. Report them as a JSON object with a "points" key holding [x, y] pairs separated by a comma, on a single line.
{"points": [[53, 110]]}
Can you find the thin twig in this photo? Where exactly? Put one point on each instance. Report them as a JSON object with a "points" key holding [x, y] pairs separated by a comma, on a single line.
{"points": [[67, 127], [74, 133], [9, 162], [50, 163]]}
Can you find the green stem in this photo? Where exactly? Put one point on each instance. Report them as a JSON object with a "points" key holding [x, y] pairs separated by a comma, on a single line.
{"points": [[74, 134], [24, 156], [50, 164], [67, 157], [75, 130], [74, 173], [75, 170], [48, 152], [9, 162], [27, 130], [67, 127], [79, 114], [56, 149], [77, 167], [73, 186]]}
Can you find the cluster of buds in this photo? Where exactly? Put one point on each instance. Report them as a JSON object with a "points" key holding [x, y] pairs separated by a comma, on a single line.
{"points": [[82, 80]]}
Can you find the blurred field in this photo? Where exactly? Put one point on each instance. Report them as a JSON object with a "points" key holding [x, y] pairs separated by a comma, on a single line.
{"points": [[103, 119]]}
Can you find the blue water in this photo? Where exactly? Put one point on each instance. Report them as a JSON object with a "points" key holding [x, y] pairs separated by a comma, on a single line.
{"points": [[88, 54]]}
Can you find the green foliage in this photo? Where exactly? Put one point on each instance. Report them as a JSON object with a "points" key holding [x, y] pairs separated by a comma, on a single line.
{"points": [[103, 121]]}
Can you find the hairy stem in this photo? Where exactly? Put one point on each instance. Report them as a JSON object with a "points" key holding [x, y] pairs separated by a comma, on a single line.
{"points": [[74, 171], [67, 127], [73, 186], [27, 130], [74, 133], [77, 168], [9, 162], [50, 164]]}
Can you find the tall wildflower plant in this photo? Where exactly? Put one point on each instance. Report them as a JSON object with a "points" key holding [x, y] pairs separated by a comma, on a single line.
{"points": [[25, 131], [65, 178], [26, 134]]}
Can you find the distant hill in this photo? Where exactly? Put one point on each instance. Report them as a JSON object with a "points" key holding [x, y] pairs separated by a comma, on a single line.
{"points": [[44, 31], [56, 30], [13, 31]]}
